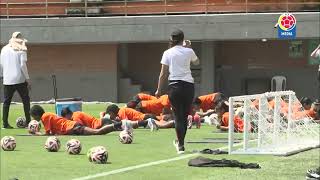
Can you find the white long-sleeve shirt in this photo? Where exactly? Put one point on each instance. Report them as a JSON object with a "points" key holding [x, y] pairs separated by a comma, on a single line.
{"points": [[13, 66]]}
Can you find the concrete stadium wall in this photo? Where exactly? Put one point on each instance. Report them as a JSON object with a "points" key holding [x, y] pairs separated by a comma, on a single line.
{"points": [[90, 71], [255, 59], [87, 71], [156, 28], [144, 63], [147, 38], [109, 8], [235, 61]]}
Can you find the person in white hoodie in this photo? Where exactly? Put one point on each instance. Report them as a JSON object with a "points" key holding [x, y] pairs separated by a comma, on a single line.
{"points": [[13, 70]]}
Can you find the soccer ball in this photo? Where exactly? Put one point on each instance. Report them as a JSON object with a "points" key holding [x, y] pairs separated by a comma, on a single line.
{"points": [[98, 155], [34, 127], [52, 144], [125, 137], [73, 146], [89, 153], [8, 143], [21, 122]]}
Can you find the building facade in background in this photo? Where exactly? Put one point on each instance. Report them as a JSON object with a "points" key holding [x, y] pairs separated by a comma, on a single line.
{"points": [[116, 53]]}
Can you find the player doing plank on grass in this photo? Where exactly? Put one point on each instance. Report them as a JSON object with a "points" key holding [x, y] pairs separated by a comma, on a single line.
{"points": [[55, 125]]}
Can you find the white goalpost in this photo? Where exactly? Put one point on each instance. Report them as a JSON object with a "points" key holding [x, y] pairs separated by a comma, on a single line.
{"points": [[274, 123]]}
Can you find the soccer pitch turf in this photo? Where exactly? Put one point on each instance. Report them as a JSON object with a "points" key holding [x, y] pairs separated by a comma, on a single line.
{"points": [[30, 161]]}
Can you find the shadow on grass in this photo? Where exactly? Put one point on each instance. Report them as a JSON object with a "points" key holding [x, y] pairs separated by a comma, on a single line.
{"points": [[81, 154], [2, 151]]}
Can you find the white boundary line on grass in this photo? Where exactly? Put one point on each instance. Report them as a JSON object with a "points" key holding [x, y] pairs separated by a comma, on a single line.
{"points": [[141, 166], [133, 167]]}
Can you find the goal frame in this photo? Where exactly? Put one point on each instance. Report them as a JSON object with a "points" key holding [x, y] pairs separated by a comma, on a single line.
{"points": [[244, 145]]}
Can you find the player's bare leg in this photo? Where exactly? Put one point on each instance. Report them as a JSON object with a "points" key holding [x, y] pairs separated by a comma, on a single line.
{"points": [[103, 130], [168, 124]]}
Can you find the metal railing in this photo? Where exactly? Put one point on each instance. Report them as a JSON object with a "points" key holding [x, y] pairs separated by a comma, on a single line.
{"points": [[88, 8]]}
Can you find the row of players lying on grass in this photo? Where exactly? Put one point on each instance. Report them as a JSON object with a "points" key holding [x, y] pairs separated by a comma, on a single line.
{"points": [[146, 103], [205, 105], [310, 109], [160, 107], [83, 124], [221, 116], [116, 114], [202, 106], [164, 120]]}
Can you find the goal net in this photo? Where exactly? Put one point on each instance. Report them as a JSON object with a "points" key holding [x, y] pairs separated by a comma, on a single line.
{"points": [[273, 123]]}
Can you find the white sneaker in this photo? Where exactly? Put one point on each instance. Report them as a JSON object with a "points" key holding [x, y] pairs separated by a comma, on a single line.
{"points": [[127, 126], [176, 145], [152, 125]]}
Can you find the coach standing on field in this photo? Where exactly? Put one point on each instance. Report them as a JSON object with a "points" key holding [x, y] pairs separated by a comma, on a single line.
{"points": [[176, 64], [13, 69]]}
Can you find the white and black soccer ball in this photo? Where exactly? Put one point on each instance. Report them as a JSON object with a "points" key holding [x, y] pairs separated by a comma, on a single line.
{"points": [[52, 144], [8, 143], [98, 155], [89, 153], [34, 127], [94, 149], [73, 146], [21, 122], [125, 137]]}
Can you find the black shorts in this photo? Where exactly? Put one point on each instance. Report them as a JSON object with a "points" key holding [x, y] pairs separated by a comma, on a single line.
{"points": [[77, 129], [139, 107]]}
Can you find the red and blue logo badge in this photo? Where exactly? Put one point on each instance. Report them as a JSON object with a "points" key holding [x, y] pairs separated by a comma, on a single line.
{"points": [[287, 26]]}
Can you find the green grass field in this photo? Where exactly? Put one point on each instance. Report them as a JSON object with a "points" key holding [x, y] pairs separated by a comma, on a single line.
{"points": [[30, 161]]}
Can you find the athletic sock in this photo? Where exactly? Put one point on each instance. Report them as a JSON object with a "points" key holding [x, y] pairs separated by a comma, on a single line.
{"points": [[117, 125], [143, 123]]}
